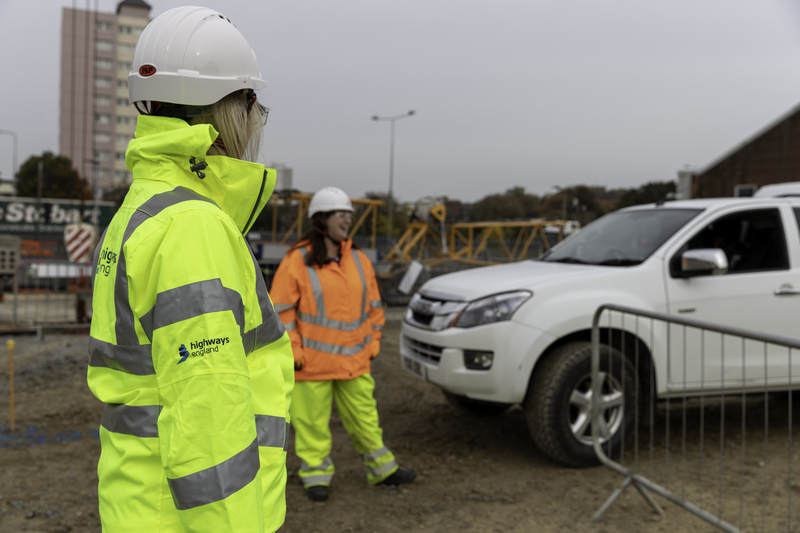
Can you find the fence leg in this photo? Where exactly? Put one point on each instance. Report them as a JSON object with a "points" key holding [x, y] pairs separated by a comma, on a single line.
{"points": [[648, 498], [611, 499], [40, 333], [617, 493]]}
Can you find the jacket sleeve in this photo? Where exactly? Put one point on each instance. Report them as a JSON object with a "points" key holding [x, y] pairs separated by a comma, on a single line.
{"points": [[376, 317], [285, 294], [207, 432]]}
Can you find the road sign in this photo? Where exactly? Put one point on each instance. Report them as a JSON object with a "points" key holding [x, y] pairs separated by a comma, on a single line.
{"points": [[79, 240]]}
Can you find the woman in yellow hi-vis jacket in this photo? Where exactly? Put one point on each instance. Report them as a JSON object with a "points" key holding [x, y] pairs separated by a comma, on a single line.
{"points": [[327, 296], [187, 352]]}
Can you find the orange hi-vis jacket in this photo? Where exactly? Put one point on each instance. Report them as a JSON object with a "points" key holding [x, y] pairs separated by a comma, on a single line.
{"points": [[333, 313]]}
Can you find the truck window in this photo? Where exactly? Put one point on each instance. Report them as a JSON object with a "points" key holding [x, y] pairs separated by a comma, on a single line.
{"points": [[753, 241], [624, 238]]}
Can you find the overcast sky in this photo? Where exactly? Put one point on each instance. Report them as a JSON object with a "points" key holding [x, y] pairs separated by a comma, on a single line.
{"points": [[536, 93]]}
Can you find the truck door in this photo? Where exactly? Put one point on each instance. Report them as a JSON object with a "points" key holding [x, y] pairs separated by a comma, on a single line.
{"points": [[755, 294]]}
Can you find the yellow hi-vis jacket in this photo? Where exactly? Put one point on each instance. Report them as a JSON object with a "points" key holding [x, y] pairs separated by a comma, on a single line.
{"points": [[186, 350], [333, 313]]}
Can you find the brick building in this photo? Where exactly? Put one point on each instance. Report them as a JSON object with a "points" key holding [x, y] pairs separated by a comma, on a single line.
{"points": [[772, 155]]}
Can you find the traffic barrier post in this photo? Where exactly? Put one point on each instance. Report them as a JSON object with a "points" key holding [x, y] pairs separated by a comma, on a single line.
{"points": [[10, 345], [52, 294], [711, 427]]}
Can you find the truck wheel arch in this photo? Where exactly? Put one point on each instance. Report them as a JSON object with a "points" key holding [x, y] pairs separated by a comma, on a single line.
{"points": [[629, 344]]}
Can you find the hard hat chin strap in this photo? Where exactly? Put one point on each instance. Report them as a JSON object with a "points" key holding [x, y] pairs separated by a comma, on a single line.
{"points": [[159, 109]]}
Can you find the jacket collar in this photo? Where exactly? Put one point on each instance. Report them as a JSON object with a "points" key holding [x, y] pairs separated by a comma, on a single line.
{"points": [[163, 149]]}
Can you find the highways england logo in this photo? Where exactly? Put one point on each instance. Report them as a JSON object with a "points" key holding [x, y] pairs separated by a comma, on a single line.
{"points": [[201, 348]]}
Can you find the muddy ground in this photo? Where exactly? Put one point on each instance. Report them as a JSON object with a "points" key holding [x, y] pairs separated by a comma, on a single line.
{"points": [[475, 473]]}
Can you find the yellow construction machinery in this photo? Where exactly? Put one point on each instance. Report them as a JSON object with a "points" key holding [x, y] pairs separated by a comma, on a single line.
{"points": [[429, 238]]}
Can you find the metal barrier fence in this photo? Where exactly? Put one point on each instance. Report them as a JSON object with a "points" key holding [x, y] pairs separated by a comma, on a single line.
{"points": [[709, 423], [52, 294]]}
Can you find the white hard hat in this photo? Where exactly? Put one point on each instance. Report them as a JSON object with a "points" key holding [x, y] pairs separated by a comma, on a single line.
{"points": [[192, 56], [329, 199]]}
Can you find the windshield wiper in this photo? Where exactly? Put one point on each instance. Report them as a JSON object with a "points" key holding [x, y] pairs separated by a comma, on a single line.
{"points": [[620, 262], [572, 260]]}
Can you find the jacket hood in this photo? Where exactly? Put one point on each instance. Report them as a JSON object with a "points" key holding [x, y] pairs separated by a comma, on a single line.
{"points": [[163, 149]]}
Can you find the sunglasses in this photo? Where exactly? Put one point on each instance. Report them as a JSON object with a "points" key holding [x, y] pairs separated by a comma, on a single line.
{"points": [[251, 97]]}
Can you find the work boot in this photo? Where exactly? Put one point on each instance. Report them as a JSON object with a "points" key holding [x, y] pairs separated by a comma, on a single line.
{"points": [[400, 477], [318, 493]]}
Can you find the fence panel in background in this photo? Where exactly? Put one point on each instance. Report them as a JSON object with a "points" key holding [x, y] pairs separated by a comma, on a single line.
{"points": [[52, 294], [390, 273], [718, 440]]}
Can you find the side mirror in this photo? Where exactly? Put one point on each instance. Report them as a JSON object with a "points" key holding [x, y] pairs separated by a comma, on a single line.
{"points": [[704, 261]]}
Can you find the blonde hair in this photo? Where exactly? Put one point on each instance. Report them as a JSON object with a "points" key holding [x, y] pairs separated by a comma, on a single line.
{"points": [[238, 129]]}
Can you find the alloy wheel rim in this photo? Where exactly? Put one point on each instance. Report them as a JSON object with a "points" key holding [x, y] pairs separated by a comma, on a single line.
{"points": [[612, 408]]}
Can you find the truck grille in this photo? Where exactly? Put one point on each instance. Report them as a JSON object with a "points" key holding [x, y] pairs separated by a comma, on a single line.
{"points": [[426, 351], [421, 318]]}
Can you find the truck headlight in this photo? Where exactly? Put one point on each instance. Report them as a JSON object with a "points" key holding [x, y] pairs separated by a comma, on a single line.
{"points": [[492, 309]]}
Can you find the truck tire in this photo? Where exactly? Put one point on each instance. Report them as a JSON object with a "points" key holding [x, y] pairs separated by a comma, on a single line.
{"points": [[475, 407], [558, 404]]}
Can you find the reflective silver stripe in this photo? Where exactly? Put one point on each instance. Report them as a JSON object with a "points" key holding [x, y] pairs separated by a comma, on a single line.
{"points": [[321, 479], [383, 470], [280, 308], [271, 327], [137, 420], [263, 335], [316, 288], [286, 439], [324, 465], [372, 456], [126, 333], [271, 430], [377, 326], [349, 351], [124, 326], [190, 301], [321, 318], [291, 326], [216, 483], [133, 359], [375, 304], [264, 302], [357, 260]]}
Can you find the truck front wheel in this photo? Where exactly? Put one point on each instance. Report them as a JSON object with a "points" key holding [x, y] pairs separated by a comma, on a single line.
{"points": [[558, 404]]}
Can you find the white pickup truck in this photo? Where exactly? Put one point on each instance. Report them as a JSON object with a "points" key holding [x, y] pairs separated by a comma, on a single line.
{"points": [[520, 333]]}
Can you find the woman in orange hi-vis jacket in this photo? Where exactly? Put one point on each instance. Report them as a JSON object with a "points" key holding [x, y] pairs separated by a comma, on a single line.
{"points": [[327, 296]]}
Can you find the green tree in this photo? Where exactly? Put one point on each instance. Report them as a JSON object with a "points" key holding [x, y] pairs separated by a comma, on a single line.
{"points": [[513, 204], [117, 194], [399, 217], [648, 193], [59, 178], [577, 202]]}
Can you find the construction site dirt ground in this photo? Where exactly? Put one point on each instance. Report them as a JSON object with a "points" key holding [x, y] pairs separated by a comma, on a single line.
{"points": [[476, 474]]}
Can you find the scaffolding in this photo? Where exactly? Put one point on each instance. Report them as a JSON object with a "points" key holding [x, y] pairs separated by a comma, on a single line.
{"points": [[303, 201], [436, 240]]}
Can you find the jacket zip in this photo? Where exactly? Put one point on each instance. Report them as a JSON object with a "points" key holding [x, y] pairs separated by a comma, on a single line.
{"points": [[258, 201]]}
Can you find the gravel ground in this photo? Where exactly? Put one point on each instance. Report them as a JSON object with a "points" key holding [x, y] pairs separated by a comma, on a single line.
{"points": [[475, 473]]}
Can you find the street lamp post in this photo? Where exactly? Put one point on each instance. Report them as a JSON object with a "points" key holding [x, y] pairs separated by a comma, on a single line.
{"points": [[391, 166], [14, 161]]}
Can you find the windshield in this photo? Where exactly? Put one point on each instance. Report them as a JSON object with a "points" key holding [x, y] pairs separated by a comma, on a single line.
{"points": [[621, 239]]}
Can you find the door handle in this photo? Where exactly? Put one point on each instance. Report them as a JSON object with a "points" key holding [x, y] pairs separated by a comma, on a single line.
{"points": [[786, 290]]}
